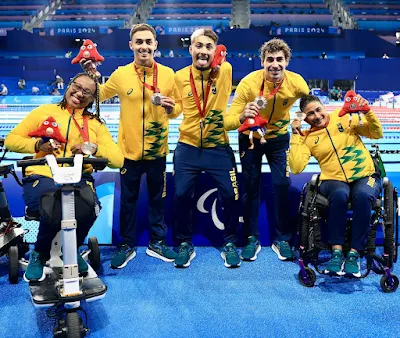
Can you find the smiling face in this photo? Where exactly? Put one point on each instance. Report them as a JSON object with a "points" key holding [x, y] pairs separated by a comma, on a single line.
{"points": [[143, 44], [202, 50], [274, 66], [80, 92], [316, 115]]}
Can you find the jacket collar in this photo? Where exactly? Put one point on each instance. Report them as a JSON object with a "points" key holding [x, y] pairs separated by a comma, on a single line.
{"points": [[198, 73], [140, 69]]}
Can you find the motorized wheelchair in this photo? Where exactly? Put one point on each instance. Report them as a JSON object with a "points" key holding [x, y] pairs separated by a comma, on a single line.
{"points": [[384, 214], [63, 289]]}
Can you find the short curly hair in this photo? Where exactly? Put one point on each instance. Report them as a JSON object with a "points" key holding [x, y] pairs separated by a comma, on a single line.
{"points": [[274, 46]]}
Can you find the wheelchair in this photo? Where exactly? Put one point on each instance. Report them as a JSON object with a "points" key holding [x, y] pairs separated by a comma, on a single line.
{"points": [[384, 214], [63, 289], [12, 242]]}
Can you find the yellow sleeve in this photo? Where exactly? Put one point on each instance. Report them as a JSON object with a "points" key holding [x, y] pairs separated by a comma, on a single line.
{"points": [[18, 139], [231, 119], [107, 148], [177, 96], [109, 89], [371, 127], [303, 87], [299, 154], [226, 68]]}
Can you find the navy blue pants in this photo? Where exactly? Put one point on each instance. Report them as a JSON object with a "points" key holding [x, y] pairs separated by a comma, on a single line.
{"points": [[131, 174], [34, 186], [218, 162], [362, 194], [251, 159]]}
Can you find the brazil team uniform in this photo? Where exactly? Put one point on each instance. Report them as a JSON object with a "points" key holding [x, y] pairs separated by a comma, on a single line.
{"points": [[277, 112], [204, 146]]}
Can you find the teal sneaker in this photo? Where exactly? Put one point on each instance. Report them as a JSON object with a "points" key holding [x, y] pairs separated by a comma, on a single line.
{"points": [[161, 251], [35, 269], [352, 264], [283, 250], [335, 264], [251, 249], [185, 255], [83, 267], [122, 256], [230, 256]]}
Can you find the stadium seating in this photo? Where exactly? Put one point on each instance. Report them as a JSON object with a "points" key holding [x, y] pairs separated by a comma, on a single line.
{"points": [[381, 16]]}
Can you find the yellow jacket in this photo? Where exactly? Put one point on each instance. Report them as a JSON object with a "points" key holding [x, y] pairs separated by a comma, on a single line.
{"points": [[338, 148], [19, 141], [213, 134], [277, 111], [143, 127]]}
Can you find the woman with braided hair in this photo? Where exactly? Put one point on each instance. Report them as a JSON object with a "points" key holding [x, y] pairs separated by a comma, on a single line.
{"points": [[84, 133]]}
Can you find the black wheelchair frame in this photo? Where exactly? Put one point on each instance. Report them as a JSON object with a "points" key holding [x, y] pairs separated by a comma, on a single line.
{"points": [[384, 215], [12, 242]]}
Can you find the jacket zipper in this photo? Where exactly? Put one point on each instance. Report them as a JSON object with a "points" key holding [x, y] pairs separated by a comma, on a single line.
{"points": [[201, 117], [273, 109], [337, 155], [144, 80], [67, 136]]}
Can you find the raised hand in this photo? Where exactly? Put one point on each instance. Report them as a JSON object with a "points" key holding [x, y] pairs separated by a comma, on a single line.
{"points": [[354, 103], [250, 110], [296, 127]]}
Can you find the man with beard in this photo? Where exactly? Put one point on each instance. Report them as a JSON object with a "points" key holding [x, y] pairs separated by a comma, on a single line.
{"points": [[348, 173], [270, 93], [145, 90], [205, 87]]}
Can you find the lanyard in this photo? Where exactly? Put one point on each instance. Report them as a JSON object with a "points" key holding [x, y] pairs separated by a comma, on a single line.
{"points": [[84, 131], [273, 93], [196, 96], [154, 87]]}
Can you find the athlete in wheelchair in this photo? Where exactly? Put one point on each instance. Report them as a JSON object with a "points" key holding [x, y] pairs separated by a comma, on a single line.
{"points": [[79, 132], [349, 175]]}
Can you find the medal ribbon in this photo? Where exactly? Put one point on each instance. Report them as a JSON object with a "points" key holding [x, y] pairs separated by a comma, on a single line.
{"points": [[84, 131], [196, 96], [154, 87], [271, 94]]}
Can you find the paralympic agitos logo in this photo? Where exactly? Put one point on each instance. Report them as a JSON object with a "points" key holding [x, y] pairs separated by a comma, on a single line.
{"points": [[214, 215]]}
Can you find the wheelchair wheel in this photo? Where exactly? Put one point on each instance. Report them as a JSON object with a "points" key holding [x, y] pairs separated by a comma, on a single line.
{"points": [[73, 325], [94, 255], [311, 277], [13, 264], [385, 284], [389, 218]]}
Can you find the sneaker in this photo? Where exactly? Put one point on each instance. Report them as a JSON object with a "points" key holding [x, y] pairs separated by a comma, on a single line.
{"points": [[122, 256], [352, 264], [283, 250], [335, 264], [35, 269], [230, 256], [82, 265], [185, 255], [251, 249], [161, 251]]}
